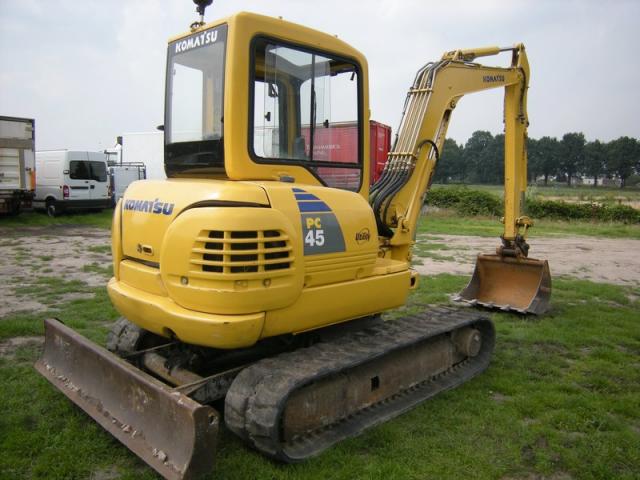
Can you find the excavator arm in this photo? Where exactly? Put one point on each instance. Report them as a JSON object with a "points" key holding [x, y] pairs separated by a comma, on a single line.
{"points": [[397, 198]]}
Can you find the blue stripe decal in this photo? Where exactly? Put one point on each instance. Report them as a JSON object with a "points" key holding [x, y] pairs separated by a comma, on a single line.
{"points": [[313, 207], [298, 190], [306, 196]]}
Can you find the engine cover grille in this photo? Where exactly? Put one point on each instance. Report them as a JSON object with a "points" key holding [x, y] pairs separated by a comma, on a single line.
{"points": [[243, 252]]}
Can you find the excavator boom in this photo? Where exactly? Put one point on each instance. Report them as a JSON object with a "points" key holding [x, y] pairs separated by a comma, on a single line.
{"points": [[507, 280]]}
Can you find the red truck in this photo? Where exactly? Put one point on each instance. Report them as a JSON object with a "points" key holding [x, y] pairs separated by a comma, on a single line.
{"points": [[338, 143]]}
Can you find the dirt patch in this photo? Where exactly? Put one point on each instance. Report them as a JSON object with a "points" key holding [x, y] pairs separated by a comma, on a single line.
{"points": [[36, 260], [110, 473], [8, 347], [499, 397], [595, 259]]}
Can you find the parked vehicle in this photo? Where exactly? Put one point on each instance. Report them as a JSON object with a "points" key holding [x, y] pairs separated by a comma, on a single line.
{"points": [[339, 143], [142, 147], [71, 180], [379, 146], [336, 143], [122, 174], [17, 164]]}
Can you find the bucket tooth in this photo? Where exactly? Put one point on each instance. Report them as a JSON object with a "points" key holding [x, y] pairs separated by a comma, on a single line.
{"points": [[508, 283], [168, 430]]}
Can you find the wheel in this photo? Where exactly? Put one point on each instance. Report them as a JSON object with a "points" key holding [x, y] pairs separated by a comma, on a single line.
{"points": [[126, 337], [14, 208], [51, 208]]}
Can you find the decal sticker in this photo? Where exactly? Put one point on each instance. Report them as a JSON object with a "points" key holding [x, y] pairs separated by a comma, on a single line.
{"points": [[363, 236], [493, 78], [321, 232], [149, 206], [199, 40]]}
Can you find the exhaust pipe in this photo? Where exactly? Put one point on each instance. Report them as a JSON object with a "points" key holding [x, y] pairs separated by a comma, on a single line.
{"points": [[509, 283], [168, 430]]}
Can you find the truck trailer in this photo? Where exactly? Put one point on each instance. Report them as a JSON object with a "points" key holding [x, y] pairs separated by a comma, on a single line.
{"points": [[17, 163]]}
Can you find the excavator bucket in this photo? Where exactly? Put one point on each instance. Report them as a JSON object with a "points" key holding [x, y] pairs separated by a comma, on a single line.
{"points": [[508, 283], [168, 430]]}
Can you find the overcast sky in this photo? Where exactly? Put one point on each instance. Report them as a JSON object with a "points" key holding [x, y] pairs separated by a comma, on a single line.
{"points": [[88, 71]]}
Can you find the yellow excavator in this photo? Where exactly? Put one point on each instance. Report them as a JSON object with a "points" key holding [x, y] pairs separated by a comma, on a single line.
{"points": [[252, 280]]}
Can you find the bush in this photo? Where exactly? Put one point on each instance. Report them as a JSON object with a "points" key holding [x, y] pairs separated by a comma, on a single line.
{"points": [[469, 202], [583, 211], [465, 201]]}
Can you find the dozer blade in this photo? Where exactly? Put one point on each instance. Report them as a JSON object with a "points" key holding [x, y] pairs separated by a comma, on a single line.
{"points": [[171, 432], [509, 283]]}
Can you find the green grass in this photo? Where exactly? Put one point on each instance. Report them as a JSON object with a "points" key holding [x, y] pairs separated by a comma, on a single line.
{"points": [[89, 315], [100, 220], [432, 250], [96, 267], [444, 222], [561, 399], [50, 289], [100, 248]]}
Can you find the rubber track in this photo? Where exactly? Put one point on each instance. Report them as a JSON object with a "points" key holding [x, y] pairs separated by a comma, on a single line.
{"points": [[256, 400]]}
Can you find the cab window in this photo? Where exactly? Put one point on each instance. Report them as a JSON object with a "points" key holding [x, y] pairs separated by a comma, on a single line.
{"points": [[305, 111]]}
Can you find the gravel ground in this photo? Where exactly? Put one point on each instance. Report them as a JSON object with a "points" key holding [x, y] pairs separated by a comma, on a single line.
{"points": [[82, 254], [28, 256], [595, 259]]}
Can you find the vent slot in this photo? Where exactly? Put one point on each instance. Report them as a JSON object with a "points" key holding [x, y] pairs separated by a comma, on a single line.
{"points": [[255, 253], [215, 245]]}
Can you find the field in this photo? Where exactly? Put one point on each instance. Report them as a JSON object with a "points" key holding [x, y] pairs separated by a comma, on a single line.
{"points": [[579, 193], [561, 399]]}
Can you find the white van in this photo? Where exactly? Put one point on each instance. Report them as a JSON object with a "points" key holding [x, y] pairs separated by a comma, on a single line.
{"points": [[71, 180]]}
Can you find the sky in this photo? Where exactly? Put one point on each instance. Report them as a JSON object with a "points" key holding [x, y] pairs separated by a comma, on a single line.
{"points": [[90, 70]]}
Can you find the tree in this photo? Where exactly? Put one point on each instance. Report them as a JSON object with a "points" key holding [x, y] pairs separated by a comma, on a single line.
{"points": [[451, 165], [495, 160], [595, 160], [572, 150], [477, 153], [623, 157], [533, 169], [544, 156]]}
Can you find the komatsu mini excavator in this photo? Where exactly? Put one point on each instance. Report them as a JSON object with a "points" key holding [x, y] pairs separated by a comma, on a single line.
{"points": [[252, 280]]}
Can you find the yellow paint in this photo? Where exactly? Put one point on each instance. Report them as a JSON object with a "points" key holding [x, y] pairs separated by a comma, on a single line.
{"points": [[454, 79], [224, 263]]}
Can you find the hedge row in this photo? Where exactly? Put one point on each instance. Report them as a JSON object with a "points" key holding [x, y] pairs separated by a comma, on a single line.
{"points": [[465, 201], [469, 202], [582, 211]]}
